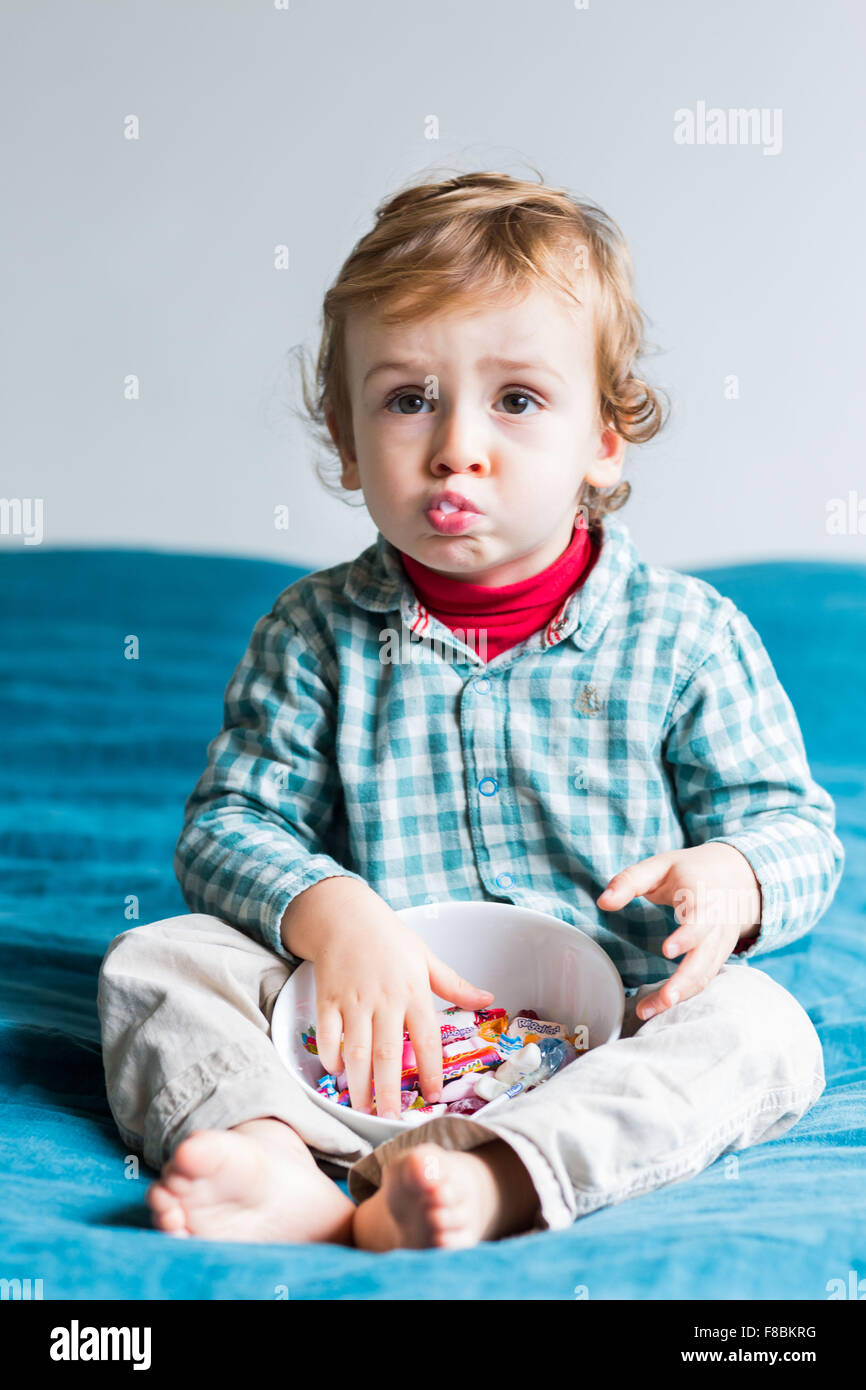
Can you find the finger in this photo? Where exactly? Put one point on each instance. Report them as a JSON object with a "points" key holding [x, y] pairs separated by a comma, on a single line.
{"points": [[449, 985], [634, 881], [426, 1038], [357, 1048], [691, 976], [387, 1061], [685, 938], [329, 1028]]}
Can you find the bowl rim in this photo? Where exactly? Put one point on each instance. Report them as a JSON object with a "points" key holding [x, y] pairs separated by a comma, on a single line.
{"points": [[427, 909]]}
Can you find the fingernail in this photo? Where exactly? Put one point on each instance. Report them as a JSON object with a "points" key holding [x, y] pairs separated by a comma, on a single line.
{"points": [[648, 1012], [433, 1097], [390, 1115]]}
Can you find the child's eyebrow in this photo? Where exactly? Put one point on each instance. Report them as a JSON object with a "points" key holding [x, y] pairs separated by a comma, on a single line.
{"points": [[512, 366], [505, 362]]}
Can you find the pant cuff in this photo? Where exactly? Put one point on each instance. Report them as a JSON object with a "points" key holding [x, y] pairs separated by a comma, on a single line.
{"points": [[225, 1089], [459, 1132]]}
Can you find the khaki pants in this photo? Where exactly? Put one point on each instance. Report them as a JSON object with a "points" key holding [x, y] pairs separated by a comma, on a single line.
{"points": [[185, 1006]]}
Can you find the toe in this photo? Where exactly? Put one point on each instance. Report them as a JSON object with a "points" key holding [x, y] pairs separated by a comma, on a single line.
{"points": [[167, 1213], [171, 1221], [424, 1163], [198, 1155], [175, 1183], [159, 1199]]}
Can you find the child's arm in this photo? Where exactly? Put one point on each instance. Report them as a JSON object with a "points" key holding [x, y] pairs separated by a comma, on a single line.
{"points": [[738, 763], [764, 861], [257, 823], [254, 851]]}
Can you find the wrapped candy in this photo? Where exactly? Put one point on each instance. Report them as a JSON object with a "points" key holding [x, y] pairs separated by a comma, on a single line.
{"points": [[485, 1055]]}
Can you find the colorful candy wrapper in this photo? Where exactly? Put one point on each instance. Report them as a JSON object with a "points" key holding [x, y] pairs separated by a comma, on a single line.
{"points": [[461, 1087], [417, 1114], [455, 1024], [467, 1105], [473, 1042], [492, 1029], [522, 1030]]}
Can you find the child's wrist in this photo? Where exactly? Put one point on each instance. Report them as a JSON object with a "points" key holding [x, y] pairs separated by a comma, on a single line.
{"points": [[306, 920]]}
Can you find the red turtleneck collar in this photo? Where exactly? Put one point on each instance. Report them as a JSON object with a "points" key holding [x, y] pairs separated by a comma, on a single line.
{"points": [[512, 612]]}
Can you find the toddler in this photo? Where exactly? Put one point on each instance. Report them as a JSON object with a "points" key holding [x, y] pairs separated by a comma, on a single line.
{"points": [[498, 700]]}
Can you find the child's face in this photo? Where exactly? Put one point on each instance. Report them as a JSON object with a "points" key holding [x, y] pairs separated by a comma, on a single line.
{"points": [[516, 441]]}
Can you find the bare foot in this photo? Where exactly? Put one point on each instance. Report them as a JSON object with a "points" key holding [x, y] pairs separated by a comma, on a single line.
{"points": [[255, 1182], [439, 1197]]}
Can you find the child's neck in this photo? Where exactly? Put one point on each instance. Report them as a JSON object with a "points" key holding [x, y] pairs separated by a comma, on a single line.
{"points": [[509, 613]]}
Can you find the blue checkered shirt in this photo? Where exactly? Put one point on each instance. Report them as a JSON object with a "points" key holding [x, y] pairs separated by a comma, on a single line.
{"points": [[363, 737]]}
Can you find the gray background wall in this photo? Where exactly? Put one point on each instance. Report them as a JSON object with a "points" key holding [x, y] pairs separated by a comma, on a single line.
{"points": [[262, 125]]}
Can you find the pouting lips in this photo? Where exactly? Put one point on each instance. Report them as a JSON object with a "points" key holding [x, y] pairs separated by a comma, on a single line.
{"points": [[449, 502]]}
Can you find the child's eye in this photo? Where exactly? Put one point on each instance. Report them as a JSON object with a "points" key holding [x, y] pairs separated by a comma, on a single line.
{"points": [[406, 396], [519, 396]]}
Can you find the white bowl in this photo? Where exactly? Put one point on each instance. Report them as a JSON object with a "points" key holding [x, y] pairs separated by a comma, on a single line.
{"points": [[529, 959]]}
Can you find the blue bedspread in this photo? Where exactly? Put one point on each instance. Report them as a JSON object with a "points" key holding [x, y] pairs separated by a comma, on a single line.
{"points": [[98, 755]]}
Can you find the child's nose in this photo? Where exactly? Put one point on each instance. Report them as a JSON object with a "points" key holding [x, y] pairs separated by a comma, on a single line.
{"points": [[460, 438], [460, 446]]}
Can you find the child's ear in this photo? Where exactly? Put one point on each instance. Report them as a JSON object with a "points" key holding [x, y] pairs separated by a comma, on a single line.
{"points": [[351, 478], [607, 465]]}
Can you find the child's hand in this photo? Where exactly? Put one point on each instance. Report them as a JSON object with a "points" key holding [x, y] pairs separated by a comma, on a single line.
{"points": [[717, 900], [374, 976]]}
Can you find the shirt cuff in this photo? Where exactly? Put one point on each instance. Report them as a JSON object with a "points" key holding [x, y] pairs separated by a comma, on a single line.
{"points": [[284, 890], [752, 844]]}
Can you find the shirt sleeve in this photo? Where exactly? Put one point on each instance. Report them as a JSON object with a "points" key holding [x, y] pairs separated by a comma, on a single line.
{"points": [[256, 824], [738, 763]]}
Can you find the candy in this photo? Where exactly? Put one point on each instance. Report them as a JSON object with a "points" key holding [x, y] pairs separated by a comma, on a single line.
{"points": [[556, 1053], [485, 1056], [455, 1024], [462, 1086], [534, 1029], [472, 1061], [492, 1028], [464, 1046], [467, 1105], [418, 1114], [519, 1064], [488, 1088]]}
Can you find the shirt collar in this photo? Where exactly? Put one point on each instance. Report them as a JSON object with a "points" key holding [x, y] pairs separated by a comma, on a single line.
{"points": [[377, 581]]}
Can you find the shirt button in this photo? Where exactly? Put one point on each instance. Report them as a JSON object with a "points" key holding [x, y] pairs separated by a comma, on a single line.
{"points": [[482, 685], [487, 786], [504, 881]]}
